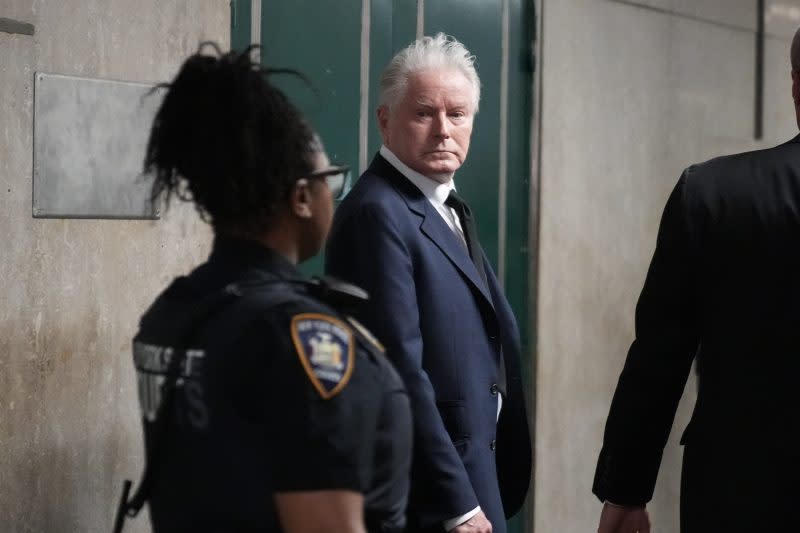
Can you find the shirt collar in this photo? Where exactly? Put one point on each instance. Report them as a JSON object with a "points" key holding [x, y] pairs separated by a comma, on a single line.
{"points": [[434, 191]]}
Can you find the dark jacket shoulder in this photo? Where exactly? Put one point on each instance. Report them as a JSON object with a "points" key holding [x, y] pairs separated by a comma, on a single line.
{"points": [[784, 158]]}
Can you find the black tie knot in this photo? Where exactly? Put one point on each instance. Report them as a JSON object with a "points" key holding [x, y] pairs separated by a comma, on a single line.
{"points": [[458, 203], [470, 230]]}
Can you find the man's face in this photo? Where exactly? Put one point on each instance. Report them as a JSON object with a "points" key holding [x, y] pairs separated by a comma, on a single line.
{"points": [[430, 127]]}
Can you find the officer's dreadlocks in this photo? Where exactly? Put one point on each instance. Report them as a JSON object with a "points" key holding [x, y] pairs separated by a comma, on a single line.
{"points": [[228, 140]]}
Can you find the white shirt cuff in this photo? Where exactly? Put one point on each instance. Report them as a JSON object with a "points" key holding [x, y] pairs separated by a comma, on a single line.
{"points": [[499, 405], [612, 504], [457, 521]]}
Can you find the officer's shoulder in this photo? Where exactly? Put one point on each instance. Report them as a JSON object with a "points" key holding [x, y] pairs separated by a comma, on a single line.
{"points": [[313, 316], [336, 293], [345, 298], [323, 294]]}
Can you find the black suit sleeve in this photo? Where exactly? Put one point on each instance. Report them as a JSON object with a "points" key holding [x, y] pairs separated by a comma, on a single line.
{"points": [[658, 364]]}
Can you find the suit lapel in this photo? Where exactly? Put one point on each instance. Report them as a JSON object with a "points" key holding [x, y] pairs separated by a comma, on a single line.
{"points": [[433, 226], [451, 246]]}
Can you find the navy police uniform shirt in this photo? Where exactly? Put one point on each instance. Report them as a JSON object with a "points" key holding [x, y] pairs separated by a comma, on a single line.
{"points": [[277, 392]]}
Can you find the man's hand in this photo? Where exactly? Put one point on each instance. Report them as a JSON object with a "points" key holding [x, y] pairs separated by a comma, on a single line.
{"points": [[477, 524], [618, 519]]}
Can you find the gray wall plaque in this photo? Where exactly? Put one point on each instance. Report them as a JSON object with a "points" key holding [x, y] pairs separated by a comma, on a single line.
{"points": [[16, 26], [89, 142]]}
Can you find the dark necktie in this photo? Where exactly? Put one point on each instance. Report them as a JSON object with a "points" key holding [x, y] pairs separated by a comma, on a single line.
{"points": [[470, 231], [471, 236]]}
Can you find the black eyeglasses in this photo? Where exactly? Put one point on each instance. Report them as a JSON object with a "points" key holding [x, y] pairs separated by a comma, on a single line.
{"points": [[337, 178]]}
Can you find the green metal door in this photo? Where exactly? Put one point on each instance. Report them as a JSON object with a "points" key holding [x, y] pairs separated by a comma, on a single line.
{"points": [[342, 47]]}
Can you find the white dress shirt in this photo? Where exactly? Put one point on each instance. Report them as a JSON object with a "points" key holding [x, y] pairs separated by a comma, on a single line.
{"points": [[437, 194]]}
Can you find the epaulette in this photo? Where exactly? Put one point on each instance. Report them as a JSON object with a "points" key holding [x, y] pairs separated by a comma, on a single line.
{"points": [[366, 334], [337, 293]]}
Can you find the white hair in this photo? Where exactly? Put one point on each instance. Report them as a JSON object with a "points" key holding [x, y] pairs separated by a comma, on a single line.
{"points": [[438, 52], [795, 51]]}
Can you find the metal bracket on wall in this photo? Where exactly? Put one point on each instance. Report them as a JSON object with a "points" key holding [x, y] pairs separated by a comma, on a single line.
{"points": [[758, 132], [16, 26]]}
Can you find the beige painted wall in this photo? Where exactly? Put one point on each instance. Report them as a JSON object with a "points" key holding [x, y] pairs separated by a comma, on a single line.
{"points": [[630, 96], [71, 291]]}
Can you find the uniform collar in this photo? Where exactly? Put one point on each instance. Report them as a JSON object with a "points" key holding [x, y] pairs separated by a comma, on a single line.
{"points": [[435, 192], [236, 253]]}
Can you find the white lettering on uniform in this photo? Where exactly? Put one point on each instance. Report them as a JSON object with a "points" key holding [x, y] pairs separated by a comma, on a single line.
{"points": [[152, 364]]}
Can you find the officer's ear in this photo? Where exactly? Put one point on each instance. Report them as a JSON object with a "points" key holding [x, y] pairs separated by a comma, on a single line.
{"points": [[300, 199]]}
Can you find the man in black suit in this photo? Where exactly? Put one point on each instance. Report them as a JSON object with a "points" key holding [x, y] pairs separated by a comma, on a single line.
{"points": [[723, 289], [407, 237]]}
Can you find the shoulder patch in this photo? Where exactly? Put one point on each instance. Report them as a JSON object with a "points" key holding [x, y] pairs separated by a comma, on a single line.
{"points": [[326, 348], [366, 333]]}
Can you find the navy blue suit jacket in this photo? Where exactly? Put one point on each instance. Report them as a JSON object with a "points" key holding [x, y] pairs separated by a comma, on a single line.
{"points": [[446, 333]]}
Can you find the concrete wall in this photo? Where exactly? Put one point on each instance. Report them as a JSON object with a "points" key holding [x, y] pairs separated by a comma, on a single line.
{"points": [[71, 291], [630, 96]]}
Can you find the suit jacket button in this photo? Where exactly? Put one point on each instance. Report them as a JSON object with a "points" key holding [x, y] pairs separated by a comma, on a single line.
{"points": [[493, 389], [493, 445]]}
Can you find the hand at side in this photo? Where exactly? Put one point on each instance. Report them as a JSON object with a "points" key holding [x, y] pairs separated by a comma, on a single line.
{"points": [[618, 519], [477, 524]]}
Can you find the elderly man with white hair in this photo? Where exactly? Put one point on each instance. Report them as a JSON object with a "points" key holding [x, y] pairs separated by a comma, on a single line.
{"points": [[723, 290], [406, 236]]}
